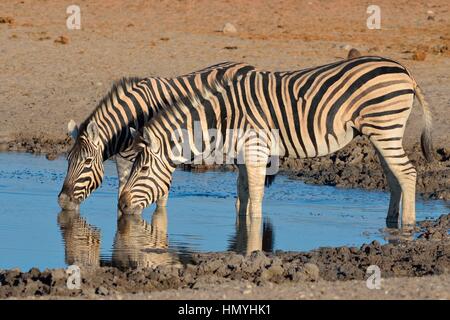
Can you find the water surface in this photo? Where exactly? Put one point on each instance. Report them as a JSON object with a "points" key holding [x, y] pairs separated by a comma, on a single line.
{"points": [[200, 217]]}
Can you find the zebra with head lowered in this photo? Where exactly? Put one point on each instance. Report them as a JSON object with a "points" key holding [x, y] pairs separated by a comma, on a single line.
{"points": [[315, 111], [107, 132]]}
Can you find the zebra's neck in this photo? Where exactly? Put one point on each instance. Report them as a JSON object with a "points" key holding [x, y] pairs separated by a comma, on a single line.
{"points": [[128, 104], [132, 102]]}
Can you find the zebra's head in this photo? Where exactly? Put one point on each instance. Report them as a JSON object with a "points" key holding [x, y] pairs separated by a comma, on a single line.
{"points": [[85, 166], [150, 176]]}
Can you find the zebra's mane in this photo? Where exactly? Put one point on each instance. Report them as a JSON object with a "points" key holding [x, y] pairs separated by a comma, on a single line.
{"points": [[123, 83], [194, 99], [189, 100]]}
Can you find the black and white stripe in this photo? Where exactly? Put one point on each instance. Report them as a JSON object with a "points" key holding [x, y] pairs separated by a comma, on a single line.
{"points": [[107, 132], [316, 111]]}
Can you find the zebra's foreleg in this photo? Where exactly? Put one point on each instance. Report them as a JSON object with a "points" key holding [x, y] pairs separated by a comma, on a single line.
{"points": [[242, 201]]}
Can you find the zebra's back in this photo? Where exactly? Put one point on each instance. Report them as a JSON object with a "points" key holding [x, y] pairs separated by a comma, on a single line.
{"points": [[319, 110]]}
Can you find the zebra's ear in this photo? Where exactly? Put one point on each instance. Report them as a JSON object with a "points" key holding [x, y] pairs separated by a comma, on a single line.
{"points": [[72, 129], [92, 131], [151, 141]]}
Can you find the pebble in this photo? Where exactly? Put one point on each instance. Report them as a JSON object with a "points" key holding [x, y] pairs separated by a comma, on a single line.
{"points": [[62, 40], [51, 156], [419, 55], [353, 53], [229, 28], [8, 20], [101, 291]]}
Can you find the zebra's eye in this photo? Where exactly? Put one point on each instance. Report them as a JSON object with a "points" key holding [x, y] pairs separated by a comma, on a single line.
{"points": [[88, 161], [145, 168]]}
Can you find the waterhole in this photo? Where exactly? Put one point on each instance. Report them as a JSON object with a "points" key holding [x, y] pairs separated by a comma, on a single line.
{"points": [[200, 217]]}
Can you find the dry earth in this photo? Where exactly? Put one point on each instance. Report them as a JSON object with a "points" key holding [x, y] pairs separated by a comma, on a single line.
{"points": [[47, 80]]}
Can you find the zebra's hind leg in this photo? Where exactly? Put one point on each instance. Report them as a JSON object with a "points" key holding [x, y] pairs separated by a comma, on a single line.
{"points": [[402, 173], [242, 201], [392, 219]]}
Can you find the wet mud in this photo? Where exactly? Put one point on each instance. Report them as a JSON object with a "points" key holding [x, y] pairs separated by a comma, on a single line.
{"points": [[358, 166]]}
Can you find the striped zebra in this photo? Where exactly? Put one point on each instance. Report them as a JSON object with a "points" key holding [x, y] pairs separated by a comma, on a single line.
{"points": [[315, 111], [106, 133]]}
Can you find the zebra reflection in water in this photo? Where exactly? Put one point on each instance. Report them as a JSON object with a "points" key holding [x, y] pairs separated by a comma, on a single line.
{"points": [[81, 240], [249, 237], [136, 243], [139, 244]]}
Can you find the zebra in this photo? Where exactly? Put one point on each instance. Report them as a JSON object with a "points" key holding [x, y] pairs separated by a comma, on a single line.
{"points": [[316, 111], [106, 132]]}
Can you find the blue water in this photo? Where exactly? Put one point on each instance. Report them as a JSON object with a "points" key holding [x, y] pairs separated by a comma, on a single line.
{"points": [[200, 217]]}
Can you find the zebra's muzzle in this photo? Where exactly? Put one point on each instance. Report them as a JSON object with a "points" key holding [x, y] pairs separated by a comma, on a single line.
{"points": [[125, 205], [66, 202]]}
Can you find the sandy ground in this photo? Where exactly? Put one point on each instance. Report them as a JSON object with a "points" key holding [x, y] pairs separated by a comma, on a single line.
{"points": [[44, 83], [435, 287], [428, 287]]}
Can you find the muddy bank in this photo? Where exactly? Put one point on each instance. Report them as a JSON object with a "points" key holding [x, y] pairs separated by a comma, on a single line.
{"points": [[38, 145], [358, 166], [427, 255]]}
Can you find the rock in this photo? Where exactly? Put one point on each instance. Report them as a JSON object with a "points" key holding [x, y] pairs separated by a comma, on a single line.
{"points": [[58, 274], [272, 272], [344, 252], [62, 40], [353, 53], [8, 20], [312, 271], [259, 259], [34, 273], [234, 261], [101, 291], [439, 49], [276, 270], [419, 55], [51, 156], [229, 29]]}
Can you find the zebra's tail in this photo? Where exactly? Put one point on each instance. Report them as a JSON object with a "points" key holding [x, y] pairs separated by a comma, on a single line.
{"points": [[425, 139]]}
